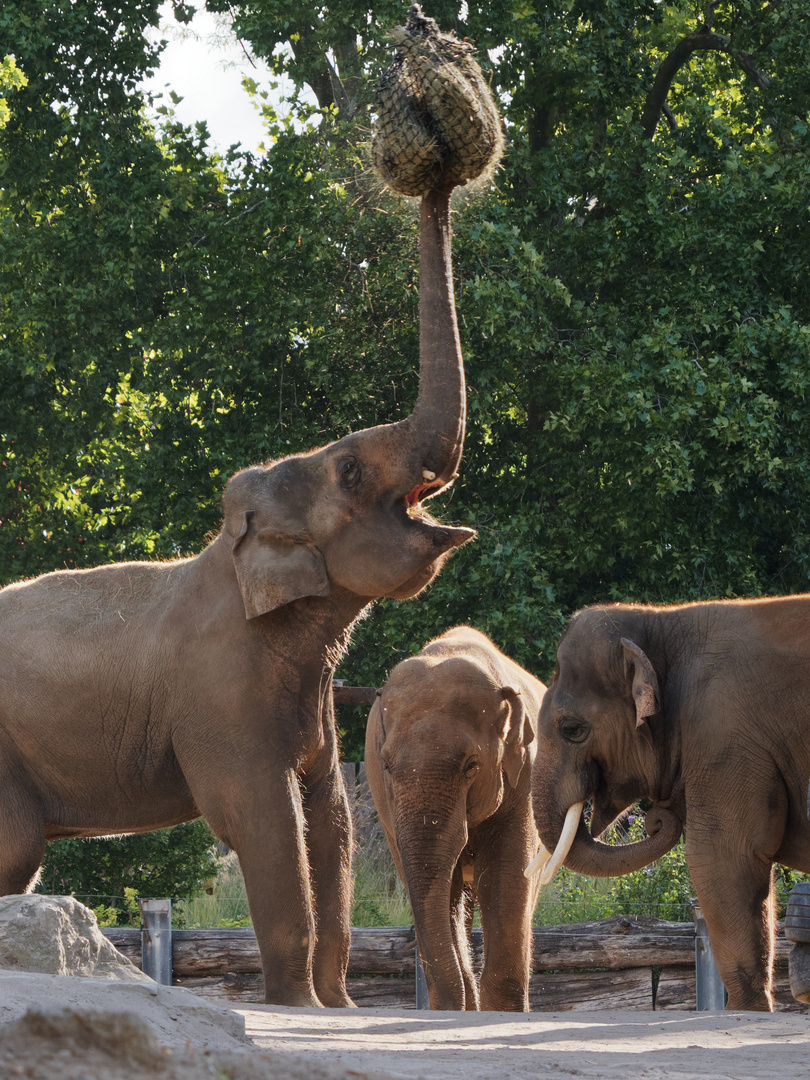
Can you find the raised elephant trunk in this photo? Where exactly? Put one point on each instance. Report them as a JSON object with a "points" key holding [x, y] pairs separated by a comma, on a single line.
{"points": [[438, 420], [441, 404], [574, 845]]}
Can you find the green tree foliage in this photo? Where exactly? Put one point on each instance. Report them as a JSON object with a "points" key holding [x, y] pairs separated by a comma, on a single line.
{"points": [[10, 78], [631, 292], [107, 873]]}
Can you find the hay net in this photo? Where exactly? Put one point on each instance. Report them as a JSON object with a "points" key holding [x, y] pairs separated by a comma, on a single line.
{"points": [[437, 124]]}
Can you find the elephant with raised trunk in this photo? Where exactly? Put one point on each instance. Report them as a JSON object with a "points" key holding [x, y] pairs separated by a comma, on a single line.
{"points": [[140, 695], [449, 748], [704, 710]]}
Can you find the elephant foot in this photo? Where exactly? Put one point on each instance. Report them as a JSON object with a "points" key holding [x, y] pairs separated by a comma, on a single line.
{"points": [[294, 998], [336, 999]]}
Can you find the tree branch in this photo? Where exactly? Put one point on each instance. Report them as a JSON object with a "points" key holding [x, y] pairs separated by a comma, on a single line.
{"points": [[670, 115], [318, 71], [311, 63], [704, 39], [671, 65], [750, 68]]}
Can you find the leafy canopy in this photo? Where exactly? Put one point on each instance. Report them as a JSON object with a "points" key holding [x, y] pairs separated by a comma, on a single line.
{"points": [[631, 295]]}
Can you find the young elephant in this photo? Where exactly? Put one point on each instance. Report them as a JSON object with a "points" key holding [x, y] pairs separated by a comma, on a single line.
{"points": [[703, 709], [449, 748]]}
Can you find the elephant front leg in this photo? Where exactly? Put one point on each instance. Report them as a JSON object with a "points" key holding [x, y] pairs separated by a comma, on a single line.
{"points": [[506, 901], [736, 897], [329, 836], [268, 836]]}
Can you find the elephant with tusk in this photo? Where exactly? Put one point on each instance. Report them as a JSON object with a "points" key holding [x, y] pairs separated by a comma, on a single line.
{"points": [[449, 748], [702, 709], [139, 695]]}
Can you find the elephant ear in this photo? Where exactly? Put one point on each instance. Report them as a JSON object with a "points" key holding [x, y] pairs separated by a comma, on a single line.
{"points": [[519, 735], [646, 693], [275, 567]]}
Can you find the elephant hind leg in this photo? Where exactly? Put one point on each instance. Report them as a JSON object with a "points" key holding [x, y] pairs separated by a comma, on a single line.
{"points": [[329, 839], [22, 841], [737, 902]]}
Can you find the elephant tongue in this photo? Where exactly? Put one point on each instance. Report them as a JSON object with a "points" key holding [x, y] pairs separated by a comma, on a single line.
{"points": [[413, 496]]}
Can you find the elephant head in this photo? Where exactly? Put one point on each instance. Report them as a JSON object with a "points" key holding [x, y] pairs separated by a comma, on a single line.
{"points": [[349, 516], [446, 744], [596, 742]]}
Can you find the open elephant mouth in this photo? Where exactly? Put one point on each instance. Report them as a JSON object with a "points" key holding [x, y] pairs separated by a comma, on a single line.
{"points": [[415, 513], [415, 496], [411, 512], [414, 499]]}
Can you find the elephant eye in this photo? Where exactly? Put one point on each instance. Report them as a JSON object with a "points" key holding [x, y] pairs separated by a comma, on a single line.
{"points": [[574, 730], [471, 767], [349, 473]]}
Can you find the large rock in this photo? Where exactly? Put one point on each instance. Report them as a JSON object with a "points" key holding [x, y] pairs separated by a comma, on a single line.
{"points": [[174, 1015], [56, 935]]}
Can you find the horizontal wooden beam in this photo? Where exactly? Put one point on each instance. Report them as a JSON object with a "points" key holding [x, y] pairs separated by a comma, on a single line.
{"points": [[623, 941], [627, 961], [354, 695], [615, 944]]}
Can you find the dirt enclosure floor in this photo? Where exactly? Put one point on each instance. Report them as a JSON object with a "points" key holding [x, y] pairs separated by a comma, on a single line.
{"points": [[69, 1028], [502, 1046]]}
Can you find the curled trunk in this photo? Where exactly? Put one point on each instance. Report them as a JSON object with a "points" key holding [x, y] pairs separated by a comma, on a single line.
{"points": [[597, 859]]}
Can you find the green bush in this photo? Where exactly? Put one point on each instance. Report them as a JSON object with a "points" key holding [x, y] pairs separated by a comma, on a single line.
{"points": [[663, 890], [170, 862]]}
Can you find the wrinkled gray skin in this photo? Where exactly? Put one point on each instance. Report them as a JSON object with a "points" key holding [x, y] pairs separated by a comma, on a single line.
{"points": [[139, 695], [703, 709], [449, 747]]}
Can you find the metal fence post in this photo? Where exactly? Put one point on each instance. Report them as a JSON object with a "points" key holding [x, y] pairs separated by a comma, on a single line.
{"points": [[156, 940], [710, 993], [422, 997]]}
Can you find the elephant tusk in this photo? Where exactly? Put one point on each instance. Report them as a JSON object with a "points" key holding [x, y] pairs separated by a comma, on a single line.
{"points": [[428, 474], [569, 831], [537, 863]]}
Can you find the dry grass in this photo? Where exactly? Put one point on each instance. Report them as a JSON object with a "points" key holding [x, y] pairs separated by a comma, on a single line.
{"points": [[379, 896], [226, 905]]}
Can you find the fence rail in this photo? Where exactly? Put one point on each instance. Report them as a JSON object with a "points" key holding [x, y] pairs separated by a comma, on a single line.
{"points": [[625, 962]]}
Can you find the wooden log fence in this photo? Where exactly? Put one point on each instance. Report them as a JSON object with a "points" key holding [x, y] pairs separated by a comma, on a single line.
{"points": [[625, 962]]}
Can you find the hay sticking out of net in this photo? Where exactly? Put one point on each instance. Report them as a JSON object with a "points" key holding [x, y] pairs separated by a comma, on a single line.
{"points": [[437, 125]]}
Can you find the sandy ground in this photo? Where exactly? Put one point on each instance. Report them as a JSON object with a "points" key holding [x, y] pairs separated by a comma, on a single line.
{"points": [[70, 1028], [501, 1046]]}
